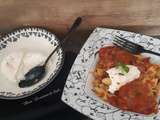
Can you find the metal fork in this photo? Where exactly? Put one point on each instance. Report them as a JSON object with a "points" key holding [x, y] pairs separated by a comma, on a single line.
{"points": [[131, 46]]}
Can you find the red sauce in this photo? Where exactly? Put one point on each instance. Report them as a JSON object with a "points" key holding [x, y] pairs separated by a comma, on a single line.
{"points": [[110, 56], [135, 96]]}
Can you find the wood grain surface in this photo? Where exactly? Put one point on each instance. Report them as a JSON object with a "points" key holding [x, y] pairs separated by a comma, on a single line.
{"points": [[57, 15], [134, 15]]}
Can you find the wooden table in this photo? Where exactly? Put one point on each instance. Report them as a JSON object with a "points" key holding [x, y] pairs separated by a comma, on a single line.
{"points": [[57, 15], [141, 16], [133, 15]]}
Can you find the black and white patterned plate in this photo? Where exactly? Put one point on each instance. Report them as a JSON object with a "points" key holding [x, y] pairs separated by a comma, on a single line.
{"points": [[77, 91], [36, 40]]}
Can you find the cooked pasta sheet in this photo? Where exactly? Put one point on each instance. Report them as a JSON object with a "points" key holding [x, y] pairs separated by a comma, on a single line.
{"points": [[129, 82]]}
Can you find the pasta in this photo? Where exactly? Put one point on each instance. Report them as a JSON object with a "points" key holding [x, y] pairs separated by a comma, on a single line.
{"points": [[139, 95]]}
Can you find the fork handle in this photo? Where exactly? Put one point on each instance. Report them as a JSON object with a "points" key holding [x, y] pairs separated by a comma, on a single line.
{"points": [[149, 51]]}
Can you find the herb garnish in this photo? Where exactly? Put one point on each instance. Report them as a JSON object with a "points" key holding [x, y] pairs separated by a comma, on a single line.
{"points": [[123, 68]]}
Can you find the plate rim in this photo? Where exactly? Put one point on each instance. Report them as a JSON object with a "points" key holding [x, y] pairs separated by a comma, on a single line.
{"points": [[52, 78], [99, 28]]}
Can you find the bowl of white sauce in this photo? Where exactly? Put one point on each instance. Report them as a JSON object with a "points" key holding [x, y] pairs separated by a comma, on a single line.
{"points": [[22, 50]]}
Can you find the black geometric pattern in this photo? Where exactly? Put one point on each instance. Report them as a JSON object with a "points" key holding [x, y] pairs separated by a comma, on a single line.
{"points": [[26, 33], [75, 92]]}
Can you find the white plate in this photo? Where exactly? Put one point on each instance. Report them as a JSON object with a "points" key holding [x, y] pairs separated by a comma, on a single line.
{"points": [[30, 40], [77, 91]]}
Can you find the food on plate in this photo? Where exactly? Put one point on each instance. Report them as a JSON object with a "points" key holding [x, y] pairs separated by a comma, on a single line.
{"points": [[127, 81], [16, 64]]}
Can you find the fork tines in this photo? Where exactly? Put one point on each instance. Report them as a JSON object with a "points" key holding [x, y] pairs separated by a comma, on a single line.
{"points": [[125, 44], [131, 46], [127, 41]]}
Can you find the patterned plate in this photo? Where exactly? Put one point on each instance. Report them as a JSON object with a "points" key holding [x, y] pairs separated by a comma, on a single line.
{"points": [[77, 91], [33, 40]]}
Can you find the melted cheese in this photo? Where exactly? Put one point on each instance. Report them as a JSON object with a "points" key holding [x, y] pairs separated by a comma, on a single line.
{"points": [[118, 80]]}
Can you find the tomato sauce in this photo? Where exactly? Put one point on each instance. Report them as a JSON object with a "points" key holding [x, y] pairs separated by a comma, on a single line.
{"points": [[136, 96], [110, 56]]}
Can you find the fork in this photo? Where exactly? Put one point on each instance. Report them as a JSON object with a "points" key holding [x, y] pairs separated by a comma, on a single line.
{"points": [[131, 46]]}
